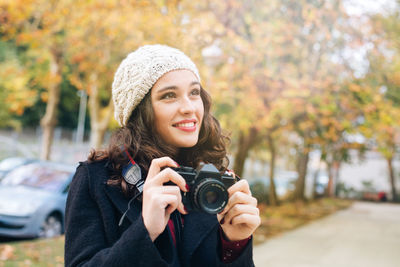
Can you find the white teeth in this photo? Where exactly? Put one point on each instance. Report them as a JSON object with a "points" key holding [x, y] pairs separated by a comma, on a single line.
{"points": [[185, 125]]}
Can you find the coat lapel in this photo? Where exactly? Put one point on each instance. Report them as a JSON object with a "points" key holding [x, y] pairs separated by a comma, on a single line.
{"points": [[116, 196]]}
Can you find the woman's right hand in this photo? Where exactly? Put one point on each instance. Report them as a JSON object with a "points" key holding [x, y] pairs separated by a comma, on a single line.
{"points": [[160, 200]]}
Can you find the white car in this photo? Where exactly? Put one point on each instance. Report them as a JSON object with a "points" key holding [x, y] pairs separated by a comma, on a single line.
{"points": [[9, 164], [33, 198]]}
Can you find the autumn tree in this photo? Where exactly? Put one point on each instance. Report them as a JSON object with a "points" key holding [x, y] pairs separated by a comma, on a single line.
{"points": [[381, 115], [39, 27], [279, 52], [102, 34], [377, 93], [86, 44]]}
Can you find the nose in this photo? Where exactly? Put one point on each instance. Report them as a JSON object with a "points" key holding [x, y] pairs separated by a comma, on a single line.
{"points": [[186, 106]]}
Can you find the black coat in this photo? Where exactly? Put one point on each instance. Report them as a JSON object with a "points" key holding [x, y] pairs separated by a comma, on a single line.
{"points": [[93, 237]]}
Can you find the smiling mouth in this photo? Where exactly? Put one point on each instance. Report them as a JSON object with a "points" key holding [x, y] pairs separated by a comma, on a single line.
{"points": [[186, 126]]}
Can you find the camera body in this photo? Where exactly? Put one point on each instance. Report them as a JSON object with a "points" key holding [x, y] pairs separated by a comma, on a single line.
{"points": [[208, 188]]}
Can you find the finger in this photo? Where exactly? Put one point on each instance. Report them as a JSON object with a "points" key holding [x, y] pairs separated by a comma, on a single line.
{"points": [[239, 198], [176, 205], [157, 199], [170, 208], [151, 189], [157, 164], [174, 190], [242, 186], [170, 189], [251, 220], [169, 175], [181, 208], [240, 209], [168, 202], [156, 195]]}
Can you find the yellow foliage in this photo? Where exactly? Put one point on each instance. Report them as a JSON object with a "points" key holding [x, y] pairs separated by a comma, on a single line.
{"points": [[386, 119], [15, 80], [355, 87], [269, 69], [369, 108], [44, 96]]}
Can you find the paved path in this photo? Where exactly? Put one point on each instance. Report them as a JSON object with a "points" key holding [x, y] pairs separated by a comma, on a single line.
{"points": [[365, 235]]}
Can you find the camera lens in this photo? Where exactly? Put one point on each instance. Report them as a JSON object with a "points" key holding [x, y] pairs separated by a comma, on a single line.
{"points": [[210, 195]]}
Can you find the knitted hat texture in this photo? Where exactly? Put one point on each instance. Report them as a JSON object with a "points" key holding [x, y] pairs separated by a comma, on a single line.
{"points": [[139, 71]]}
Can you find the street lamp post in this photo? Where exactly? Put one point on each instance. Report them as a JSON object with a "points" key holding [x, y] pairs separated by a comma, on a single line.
{"points": [[81, 117]]}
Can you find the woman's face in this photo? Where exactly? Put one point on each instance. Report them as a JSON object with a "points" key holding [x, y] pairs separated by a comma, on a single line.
{"points": [[178, 108]]}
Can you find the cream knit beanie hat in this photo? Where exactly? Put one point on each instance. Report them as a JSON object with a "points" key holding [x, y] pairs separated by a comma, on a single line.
{"points": [[139, 71]]}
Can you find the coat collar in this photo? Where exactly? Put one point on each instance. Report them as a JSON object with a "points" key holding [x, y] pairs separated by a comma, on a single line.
{"points": [[117, 197], [115, 193]]}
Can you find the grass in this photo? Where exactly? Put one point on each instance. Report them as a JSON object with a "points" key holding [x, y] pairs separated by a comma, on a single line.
{"points": [[275, 221], [42, 252]]}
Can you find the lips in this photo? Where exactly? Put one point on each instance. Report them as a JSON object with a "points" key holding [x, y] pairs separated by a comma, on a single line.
{"points": [[186, 125]]}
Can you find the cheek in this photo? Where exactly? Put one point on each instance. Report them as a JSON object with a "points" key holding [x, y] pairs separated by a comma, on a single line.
{"points": [[160, 118], [202, 116], [200, 110]]}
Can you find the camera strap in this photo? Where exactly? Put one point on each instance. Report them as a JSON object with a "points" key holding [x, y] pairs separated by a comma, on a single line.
{"points": [[178, 225], [132, 173], [129, 206]]}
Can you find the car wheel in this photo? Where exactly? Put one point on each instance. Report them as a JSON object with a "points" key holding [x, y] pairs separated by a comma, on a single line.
{"points": [[51, 227]]}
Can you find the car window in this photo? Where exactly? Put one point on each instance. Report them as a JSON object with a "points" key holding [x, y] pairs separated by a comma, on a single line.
{"points": [[8, 164], [37, 176]]}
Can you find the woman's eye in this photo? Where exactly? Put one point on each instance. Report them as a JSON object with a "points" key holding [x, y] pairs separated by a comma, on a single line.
{"points": [[168, 95], [195, 92]]}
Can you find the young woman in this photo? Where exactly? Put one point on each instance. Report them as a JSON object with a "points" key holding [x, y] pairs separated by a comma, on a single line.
{"points": [[120, 212]]}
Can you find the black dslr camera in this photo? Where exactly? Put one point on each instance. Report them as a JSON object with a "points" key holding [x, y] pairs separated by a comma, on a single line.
{"points": [[208, 188]]}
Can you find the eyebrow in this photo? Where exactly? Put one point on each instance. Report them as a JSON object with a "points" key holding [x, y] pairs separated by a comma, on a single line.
{"points": [[173, 87]]}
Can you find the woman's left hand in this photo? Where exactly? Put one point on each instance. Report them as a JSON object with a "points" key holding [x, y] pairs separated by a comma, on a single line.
{"points": [[241, 217]]}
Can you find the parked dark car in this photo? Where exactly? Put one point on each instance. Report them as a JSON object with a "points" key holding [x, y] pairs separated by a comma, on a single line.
{"points": [[32, 200], [9, 164]]}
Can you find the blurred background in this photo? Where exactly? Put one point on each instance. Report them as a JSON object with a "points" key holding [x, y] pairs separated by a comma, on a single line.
{"points": [[308, 90]]}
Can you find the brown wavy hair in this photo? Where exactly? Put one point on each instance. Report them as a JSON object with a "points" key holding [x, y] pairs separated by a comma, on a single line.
{"points": [[140, 138]]}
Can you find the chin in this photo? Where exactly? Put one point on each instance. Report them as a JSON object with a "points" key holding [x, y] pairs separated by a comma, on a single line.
{"points": [[188, 144]]}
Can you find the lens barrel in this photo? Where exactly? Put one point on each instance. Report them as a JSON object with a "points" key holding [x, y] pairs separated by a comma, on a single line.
{"points": [[210, 195]]}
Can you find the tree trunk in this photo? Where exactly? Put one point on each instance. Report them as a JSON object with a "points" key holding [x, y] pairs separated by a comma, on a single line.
{"points": [[302, 172], [333, 174], [392, 178], [98, 123], [336, 169], [49, 120], [314, 184], [273, 199], [330, 178], [245, 144], [96, 137]]}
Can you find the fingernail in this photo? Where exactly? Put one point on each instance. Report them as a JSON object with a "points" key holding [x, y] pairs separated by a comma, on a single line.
{"points": [[185, 209], [222, 221], [187, 187], [177, 164]]}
